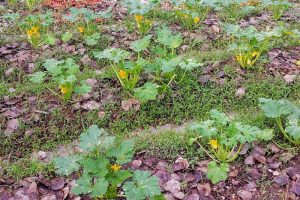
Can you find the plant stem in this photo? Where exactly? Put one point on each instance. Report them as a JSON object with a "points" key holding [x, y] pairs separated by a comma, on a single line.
{"points": [[236, 154], [182, 77], [171, 80], [279, 123], [118, 77], [55, 93], [207, 152]]}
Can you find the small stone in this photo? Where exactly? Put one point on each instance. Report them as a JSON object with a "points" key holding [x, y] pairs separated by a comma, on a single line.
{"points": [[289, 78], [11, 126], [41, 155], [249, 160], [136, 164], [276, 173], [184, 47], [11, 90], [163, 176], [101, 114], [49, 197], [233, 173], [235, 182], [274, 164], [91, 105], [240, 92]]}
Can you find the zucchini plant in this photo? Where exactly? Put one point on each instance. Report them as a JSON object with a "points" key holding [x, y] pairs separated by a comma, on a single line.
{"points": [[225, 138], [100, 168]]}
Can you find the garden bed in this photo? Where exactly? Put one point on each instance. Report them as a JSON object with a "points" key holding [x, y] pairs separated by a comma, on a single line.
{"points": [[199, 100]]}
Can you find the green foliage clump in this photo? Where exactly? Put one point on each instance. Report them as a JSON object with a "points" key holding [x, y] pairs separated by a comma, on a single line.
{"points": [[284, 109], [100, 168], [226, 138]]}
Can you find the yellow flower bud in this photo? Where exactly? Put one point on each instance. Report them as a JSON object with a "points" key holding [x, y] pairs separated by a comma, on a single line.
{"points": [[63, 89], [214, 144], [196, 20], [81, 29], [122, 74], [255, 53], [115, 167]]}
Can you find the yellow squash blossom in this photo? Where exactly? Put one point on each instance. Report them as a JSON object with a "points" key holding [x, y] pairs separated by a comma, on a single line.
{"points": [[115, 167], [255, 53], [196, 20], [122, 74], [29, 33], [81, 29], [214, 144], [238, 58], [138, 18], [63, 89], [35, 29]]}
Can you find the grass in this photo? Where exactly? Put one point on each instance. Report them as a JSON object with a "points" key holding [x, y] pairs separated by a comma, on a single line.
{"points": [[25, 168], [169, 145]]}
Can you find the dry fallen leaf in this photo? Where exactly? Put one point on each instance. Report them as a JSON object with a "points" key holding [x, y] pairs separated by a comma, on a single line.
{"points": [[11, 126], [130, 104], [281, 179], [244, 194]]}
